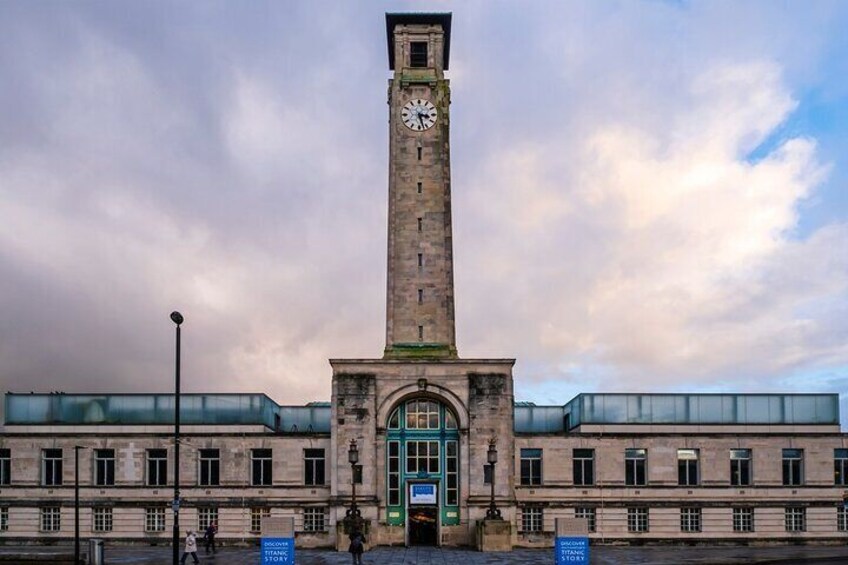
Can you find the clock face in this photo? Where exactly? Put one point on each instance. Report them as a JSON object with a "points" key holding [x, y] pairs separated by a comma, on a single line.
{"points": [[419, 114]]}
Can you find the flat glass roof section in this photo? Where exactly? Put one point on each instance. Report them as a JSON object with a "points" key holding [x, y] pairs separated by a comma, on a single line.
{"points": [[158, 409], [679, 409]]}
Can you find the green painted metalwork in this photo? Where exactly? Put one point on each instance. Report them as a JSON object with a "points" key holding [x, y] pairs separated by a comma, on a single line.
{"points": [[412, 428]]}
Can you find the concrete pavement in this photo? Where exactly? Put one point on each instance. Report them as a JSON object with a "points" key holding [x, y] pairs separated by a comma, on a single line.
{"points": [[601, 555]]}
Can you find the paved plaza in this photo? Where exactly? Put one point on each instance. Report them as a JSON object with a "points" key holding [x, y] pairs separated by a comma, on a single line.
{"points": [[435, 556]]}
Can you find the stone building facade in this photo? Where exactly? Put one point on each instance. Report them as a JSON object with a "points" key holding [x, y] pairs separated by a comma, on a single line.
{"points": [[637, 467]]}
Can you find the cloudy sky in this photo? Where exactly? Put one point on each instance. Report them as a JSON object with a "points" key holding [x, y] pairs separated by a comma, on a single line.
{"points": [[648, 196]]}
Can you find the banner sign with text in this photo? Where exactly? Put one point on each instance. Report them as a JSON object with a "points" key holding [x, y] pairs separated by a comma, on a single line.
{"points": [[277, 551], [572, 551]]}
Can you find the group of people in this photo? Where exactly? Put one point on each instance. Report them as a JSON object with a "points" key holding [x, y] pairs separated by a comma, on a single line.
{"points": [[191, 543], [356, 548]]}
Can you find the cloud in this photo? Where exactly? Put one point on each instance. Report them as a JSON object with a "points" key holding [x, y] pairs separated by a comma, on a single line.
{"points": [[626, 198], [666, 253]]}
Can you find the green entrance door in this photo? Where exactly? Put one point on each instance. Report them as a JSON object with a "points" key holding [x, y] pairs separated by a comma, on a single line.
{"points": [[422, 453]]}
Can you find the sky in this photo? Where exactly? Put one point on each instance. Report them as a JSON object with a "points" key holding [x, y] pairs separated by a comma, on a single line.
{"points": [[647, 196]]}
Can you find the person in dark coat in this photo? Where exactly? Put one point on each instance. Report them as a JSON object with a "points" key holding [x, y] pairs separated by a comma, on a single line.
{"points": [[209, 536], [357, 546]]}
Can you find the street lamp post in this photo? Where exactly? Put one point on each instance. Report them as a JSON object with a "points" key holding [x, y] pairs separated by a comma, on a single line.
{"points": [[178, 319], [492, 457], [353, 515], [76, 505]]}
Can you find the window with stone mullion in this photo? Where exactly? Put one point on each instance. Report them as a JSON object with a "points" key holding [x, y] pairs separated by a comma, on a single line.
{"points": [[157, 467], [210, 467], [51, 467], [261, 465], [104, 467], [840, 467], [584, 467], [531, 467], [5, 466], [314, 466], [793, 467]]}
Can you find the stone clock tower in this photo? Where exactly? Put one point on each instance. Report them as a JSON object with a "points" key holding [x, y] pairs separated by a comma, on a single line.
{"points": [[420, 296], [420, 418]]}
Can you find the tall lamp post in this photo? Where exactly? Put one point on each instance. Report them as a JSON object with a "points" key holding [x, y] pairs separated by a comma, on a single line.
{"points": [[492, 457], [76, 505], [353, 515], [178, 319]]}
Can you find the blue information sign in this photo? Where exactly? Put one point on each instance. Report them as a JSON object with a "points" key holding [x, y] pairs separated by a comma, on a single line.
{"points": [[572, 551], [279, 551]]}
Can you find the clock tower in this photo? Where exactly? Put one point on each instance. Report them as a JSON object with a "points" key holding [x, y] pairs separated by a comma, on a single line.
{"points": [[420, 418], [420, 294]]}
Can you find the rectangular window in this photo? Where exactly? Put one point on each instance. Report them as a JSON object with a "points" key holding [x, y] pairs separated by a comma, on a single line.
{"points": [[420, 263], [584, 466], [687, 467], [51, 519], [840, 467], [842, 518], [420, 224], [793, 467], [5, 466], [210, 468], [420, 188], [51, 468], [690, 520], [740, 467], [451, 473], [588, 513], [154, 519], [394, 473], [531, 519], [314, 519], [422, 457], [205, 518], [313, 464], [420, 333], [157, 467], [637, 520], [487, 474], [417, 53], [102, 518], [796, 519], [531, 466], [260, 465], [635, 467], [420, 296], [4, 519], [104, 467], [743, 519], [256, 516]]}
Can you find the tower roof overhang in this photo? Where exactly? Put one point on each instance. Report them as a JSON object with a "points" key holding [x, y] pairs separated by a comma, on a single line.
{"points": [[418, 18]]}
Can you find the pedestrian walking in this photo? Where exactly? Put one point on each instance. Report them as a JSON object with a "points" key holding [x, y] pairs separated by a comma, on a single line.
{"points": [[190, 548], [357, 546], [209, 536]]}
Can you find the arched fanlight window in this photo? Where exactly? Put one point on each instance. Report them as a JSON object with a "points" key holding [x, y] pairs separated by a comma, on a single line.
{"points": [[422, 414], [394, 419], [450, 419]]}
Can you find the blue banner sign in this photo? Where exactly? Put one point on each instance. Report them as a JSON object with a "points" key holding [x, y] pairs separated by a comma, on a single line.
{"points": [[424, 493], [277, 551], [572, 551]]}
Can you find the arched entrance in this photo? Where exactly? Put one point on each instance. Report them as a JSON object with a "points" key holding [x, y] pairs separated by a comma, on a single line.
{"points": [[422, 469]]}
